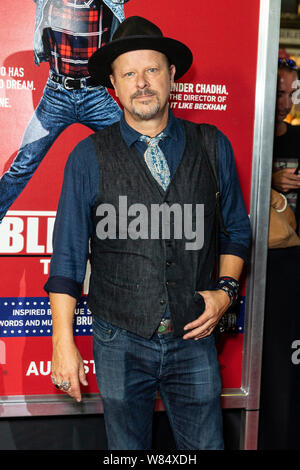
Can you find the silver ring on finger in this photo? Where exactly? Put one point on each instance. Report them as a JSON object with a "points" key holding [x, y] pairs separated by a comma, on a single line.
{"points": [[64, 385]]}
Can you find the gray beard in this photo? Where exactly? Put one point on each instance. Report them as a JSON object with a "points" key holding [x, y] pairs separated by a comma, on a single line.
{"points": [[146, 115]]}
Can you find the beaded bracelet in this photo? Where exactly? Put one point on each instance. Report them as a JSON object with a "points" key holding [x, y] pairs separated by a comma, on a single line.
{"points": [[230, 286]]}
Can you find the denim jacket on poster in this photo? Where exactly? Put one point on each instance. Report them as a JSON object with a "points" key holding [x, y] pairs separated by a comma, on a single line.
{"points": [[116, 7]]}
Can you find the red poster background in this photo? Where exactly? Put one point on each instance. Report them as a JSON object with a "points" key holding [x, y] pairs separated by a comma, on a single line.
{"points": [[223, 37]]}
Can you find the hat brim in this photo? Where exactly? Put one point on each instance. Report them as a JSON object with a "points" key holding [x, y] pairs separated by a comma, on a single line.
{"points": [[100, 62]]}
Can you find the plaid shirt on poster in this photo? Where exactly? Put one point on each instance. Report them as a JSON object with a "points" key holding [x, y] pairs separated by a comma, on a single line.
{"points": [[76, 29]]}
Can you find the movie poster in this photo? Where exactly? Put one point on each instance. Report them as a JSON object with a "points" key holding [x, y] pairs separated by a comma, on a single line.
{"points": [[39, 130]]}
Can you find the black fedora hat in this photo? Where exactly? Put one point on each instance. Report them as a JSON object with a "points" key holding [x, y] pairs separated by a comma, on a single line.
{"points": [[136, 33]]}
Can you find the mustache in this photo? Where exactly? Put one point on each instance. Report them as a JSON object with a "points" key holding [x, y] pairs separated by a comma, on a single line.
{"points": [[145, 93]]}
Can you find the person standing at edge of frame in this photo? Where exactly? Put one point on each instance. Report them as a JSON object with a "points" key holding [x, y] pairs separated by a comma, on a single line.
{"points": [[155, 302], [280, 379]]}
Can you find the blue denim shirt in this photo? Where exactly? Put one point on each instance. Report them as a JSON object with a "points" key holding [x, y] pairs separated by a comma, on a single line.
{"points": [[73, 226], [40, 55]]}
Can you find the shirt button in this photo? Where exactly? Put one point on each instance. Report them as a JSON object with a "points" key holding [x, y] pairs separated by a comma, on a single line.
{"points": [[162, 302]]}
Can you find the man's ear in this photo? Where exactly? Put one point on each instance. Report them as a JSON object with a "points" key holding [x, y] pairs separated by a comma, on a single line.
{"points": [[172, 72], [111, 77]]}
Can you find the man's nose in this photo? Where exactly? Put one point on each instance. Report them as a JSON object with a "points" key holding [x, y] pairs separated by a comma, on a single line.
{"points": [[142, 81]]}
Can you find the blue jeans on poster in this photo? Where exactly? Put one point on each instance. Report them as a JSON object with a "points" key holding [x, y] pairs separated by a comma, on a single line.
{"points": [[130, 370], [58, 109]]}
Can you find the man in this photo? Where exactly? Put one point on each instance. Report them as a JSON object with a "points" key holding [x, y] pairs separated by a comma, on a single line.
{"points": [[66, 34], [286, 141], [151, 330]]}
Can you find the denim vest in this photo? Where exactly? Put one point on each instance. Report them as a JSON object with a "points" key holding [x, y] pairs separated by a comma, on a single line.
{"points": [[132, 279], [40, 55]]}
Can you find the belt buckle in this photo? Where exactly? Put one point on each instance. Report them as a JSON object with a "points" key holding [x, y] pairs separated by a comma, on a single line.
{"points": [[165, 326], [65, 83]]}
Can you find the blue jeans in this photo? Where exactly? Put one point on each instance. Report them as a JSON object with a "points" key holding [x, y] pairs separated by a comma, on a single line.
{"points": [[130, 370], [58, 109]]}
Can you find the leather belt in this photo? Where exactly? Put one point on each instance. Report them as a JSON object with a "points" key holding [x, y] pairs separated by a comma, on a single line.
{"points": [[70, 83], [165, 326]]}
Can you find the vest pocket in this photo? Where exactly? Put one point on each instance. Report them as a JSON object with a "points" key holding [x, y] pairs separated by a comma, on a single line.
{"points": [[119, 283]]}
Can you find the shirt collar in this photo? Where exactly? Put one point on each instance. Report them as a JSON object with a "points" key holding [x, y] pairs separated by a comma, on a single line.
{"points": [[131, 136]]}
